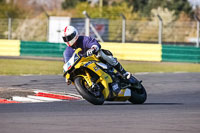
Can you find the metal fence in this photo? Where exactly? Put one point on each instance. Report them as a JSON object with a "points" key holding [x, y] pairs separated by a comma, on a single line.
{"points": [[23, 29], [121, 30]]}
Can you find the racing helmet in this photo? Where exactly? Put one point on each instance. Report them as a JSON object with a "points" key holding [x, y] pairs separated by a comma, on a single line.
{"points": [[70, 35]]}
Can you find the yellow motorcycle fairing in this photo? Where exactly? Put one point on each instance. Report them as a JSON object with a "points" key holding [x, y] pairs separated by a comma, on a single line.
{"points": [[89, 62], [104, 78]]}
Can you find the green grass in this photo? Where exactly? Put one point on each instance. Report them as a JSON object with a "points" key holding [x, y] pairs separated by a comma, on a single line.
{"points": [[40, 67], [136, 67], [24, 66]]}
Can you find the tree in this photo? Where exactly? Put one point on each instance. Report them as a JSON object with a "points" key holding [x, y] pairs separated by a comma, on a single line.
{"points": [[9, 10], [179, 6], [144, 7], [108, 12], [70, 3]]}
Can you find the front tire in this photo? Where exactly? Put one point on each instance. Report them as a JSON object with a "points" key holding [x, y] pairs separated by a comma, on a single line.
{"points": [[85, 93], [138, 96]]}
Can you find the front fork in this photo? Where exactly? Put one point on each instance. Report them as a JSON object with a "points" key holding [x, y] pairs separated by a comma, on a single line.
{"points": [[102, 80], [93, 87]]}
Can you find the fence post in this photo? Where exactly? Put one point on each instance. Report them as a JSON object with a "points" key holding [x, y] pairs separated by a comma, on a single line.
{"points": [[47, 30], [198, 20], [100, 7], [160, 29], [197, 45], [123, 28], [89, 25], [9, 28]]}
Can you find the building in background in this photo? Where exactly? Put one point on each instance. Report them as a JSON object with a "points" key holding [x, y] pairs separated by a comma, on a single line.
{"points": [[56, 27]]}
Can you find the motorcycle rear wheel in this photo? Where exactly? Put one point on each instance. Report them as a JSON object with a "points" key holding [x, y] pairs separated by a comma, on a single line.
{"points": [[85, 93], [138, 96]]}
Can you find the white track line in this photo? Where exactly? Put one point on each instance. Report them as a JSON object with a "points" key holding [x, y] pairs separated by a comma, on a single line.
{"points": [[46, 99], [24, 99], [75, 95]]}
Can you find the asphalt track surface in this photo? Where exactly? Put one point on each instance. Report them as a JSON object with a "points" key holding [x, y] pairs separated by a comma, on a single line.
{"points": [[173, 106]]}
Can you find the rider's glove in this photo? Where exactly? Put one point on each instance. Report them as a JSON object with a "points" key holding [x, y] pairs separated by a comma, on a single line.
{"points": [[90, 51], [95, 47]]}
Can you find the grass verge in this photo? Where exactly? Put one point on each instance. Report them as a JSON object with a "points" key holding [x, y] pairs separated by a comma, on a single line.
{"points": [[41, 67], [160, 67], [28, 66]]}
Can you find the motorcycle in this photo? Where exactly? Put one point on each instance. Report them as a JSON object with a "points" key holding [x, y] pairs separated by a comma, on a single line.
{"points": [[97, 81]]}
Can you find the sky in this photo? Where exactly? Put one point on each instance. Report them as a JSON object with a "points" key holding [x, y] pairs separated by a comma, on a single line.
{"points": [[194, 3]]}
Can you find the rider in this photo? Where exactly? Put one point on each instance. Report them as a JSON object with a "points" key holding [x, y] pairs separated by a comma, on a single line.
{"points": [[89, 46]]}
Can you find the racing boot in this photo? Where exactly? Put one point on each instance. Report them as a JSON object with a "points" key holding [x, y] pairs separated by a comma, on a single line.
{"points": [[128, 76], [122, 71]]}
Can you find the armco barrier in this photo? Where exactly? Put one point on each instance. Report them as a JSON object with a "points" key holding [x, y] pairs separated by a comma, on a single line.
{"points": [[9, 47], [172, 53], [42, 49], [135, 51]]}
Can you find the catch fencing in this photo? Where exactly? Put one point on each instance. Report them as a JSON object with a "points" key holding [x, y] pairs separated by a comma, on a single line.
{"points": [[23, 29], [121, 30]]}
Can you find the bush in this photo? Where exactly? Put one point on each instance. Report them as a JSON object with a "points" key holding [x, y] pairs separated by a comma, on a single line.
{"points": [[10, 10]]}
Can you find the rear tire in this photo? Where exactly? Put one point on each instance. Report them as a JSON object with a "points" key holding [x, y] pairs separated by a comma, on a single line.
{"points": [[87, 95], [138, 96]]}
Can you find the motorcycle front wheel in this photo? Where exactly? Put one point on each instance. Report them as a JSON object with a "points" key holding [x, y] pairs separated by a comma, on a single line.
{"points": [[138, 96], [82, 88]]}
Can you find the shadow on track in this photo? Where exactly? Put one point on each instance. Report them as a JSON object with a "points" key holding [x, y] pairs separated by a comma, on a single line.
{"points": [[143, 104]]}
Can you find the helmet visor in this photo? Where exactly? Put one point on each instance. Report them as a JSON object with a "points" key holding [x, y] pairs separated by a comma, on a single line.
{"points": [[69, 37]]}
